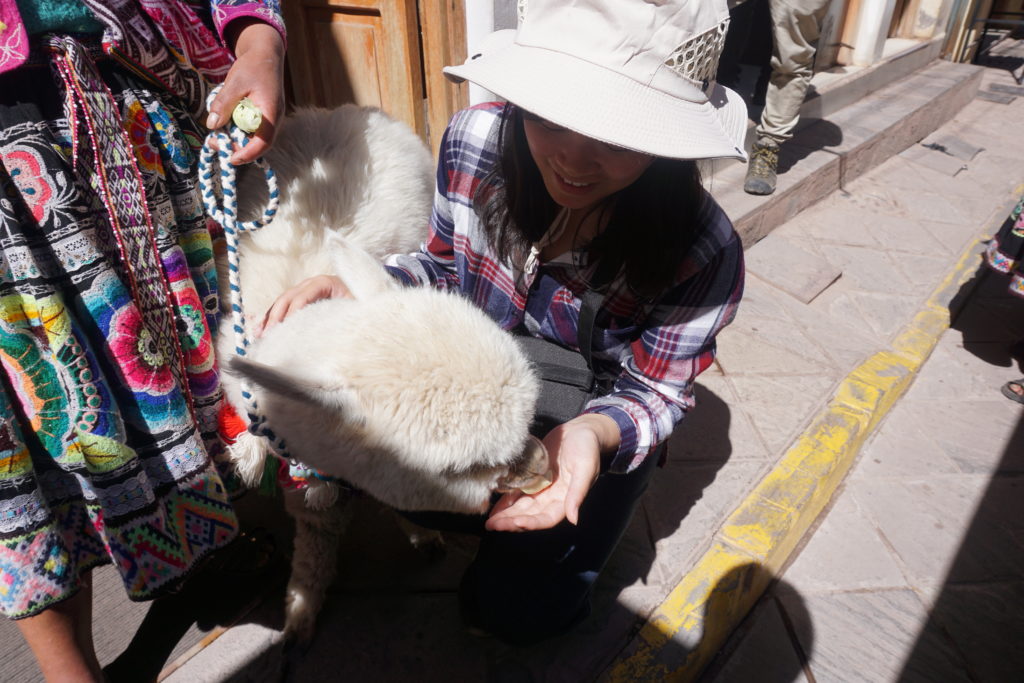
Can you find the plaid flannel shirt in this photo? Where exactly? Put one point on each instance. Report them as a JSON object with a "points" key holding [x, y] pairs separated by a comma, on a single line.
{"points": [[654, 349]]}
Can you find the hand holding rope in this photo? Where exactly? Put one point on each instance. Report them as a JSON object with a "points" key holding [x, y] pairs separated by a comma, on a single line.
{"points": [[218, 177]]}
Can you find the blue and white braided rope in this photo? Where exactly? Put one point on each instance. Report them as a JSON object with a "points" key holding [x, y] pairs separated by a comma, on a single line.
{"points": [[217, 173], [323, 489]]}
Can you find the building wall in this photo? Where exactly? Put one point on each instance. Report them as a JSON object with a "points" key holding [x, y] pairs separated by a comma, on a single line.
{"points": [[482, 18]]}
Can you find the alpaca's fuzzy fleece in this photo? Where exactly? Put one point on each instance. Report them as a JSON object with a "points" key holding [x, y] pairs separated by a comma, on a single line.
{"points": [[411, 394]]}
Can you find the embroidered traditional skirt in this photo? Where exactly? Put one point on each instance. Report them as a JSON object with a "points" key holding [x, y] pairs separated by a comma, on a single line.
{"points": [[1005, 252], [108, 390]]}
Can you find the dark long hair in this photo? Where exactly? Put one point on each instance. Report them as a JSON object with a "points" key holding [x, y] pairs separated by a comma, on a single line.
{"points": [[652, 224]]}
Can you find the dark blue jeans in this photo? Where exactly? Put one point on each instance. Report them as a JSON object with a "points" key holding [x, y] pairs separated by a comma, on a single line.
{"points": [[524, 587]]}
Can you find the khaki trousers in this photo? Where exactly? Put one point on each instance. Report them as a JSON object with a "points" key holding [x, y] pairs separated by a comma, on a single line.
{"points": [[796, 25]]}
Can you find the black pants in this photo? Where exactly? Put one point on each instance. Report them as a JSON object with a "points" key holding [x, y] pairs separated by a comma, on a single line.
{"points": [[526, 586]]}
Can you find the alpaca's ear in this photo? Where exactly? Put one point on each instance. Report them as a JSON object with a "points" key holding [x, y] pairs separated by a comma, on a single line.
{"points": [[337, 399], [362, 273]]}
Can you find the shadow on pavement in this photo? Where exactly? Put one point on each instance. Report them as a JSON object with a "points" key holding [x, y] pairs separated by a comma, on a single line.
{"points": [[812, 135], [392, 614], [222, 593], [774, 641], [1009, 57], [991, 320], [978, 613]]}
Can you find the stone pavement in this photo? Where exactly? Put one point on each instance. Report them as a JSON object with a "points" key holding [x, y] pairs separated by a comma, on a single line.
{"points": [[916, 573], [843, 305], [807, 383]]}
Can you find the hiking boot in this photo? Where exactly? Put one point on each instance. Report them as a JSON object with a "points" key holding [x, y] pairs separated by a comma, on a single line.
{"points": [[764, 160]]}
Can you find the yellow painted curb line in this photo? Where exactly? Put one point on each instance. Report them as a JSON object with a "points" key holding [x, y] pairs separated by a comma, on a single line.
{"points": [[682, 634]]}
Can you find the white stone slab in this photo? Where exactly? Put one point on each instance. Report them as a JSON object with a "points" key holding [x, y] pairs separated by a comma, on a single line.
{"points": [[886, 314], [844, 341], [963, 371], [838, 303], [973, 200], [826, 226], [681, 524], [779, 406], [900, 448], [934, 159], [244, 652], [989, 169], [954, 237], [761, 300], [971, 434], [845, 553], [952, 145], [1000, 98], [867, 269], [792, 267], [925, 272], [926, 522], [759, 345]]}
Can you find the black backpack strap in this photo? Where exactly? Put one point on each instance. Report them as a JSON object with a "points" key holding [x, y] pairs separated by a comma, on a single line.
{"points": [[592, 300]]}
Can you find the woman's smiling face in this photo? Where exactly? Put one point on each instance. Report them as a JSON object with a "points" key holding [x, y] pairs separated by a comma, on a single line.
{"points": [[579, 172]]}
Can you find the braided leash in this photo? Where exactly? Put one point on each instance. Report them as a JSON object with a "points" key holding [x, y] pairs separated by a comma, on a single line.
{"points": [[219, 145], [216, 173]]}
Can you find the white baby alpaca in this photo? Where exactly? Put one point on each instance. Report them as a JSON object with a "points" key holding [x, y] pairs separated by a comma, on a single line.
{"points": [[410, 393]]}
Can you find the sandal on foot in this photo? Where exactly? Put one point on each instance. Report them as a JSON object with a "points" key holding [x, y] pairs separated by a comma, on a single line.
{"points": [[1009, 393], [247, 556]]}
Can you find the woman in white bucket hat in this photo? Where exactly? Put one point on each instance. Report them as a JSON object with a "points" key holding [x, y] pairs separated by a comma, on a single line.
{"points": [[584, 180]]}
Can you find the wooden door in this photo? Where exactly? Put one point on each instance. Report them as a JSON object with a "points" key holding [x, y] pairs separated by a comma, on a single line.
{"points": [[443, 25], [371, 52]]}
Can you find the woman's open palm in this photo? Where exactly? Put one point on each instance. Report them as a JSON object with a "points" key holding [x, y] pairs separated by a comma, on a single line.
{"points": [[574, 449]]}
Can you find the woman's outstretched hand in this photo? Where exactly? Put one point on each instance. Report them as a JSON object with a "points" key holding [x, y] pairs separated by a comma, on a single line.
{"points": [[258, 74], [301, 295], [575, 450]]}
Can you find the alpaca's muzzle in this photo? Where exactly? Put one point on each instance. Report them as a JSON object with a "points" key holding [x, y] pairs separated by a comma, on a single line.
{"points": [[531, 473]]}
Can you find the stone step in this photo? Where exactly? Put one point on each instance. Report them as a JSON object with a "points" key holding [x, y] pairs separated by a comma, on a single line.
{"points": [[827, 153], [842, 86]]}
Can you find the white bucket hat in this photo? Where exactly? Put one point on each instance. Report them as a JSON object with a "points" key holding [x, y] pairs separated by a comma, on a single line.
{"points": [[638, 74]]}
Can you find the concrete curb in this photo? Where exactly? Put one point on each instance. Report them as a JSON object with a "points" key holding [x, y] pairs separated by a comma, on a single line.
{"points": [[683, 634]]}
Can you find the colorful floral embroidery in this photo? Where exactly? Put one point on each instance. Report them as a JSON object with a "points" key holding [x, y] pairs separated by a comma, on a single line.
{"points": [[172, 143], [193, 332], [26, 171], [106, 314], [138, 127], [146, 367], [36, 385]]}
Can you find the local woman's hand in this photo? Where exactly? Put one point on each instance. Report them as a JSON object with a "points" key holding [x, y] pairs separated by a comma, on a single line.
{"points": [[575, 449], [257, 73], [301, 295]]}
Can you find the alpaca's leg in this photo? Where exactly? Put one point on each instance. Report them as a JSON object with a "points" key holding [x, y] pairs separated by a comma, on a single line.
{"points": [[314, 561], [430, 542]]}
